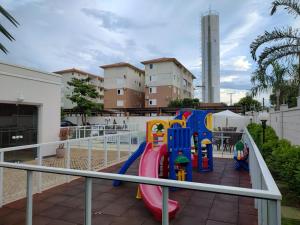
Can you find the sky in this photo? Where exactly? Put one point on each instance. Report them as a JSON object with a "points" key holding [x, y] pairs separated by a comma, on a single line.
{"points": [[59, 34]]}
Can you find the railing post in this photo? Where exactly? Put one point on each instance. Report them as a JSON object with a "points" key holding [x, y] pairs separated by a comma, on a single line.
{"points": [[1, 180], [129, 142], [90, 154], [222, 143], [29, 198], [39, 175], [68, 159], [105, 151], [88, 201], [118, 148], [84, 130], [165, 211], [273, 212]]}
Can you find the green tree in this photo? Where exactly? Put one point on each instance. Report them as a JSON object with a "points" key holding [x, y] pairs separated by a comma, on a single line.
{"points": [[184, 103], [188, 103], [276, 81], [177, 103], [281, 43], [83, 95], [248, 104], [11, 19]]}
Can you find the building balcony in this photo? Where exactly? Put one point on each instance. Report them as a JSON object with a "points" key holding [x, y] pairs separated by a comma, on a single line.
{"points": [[224, 196]]}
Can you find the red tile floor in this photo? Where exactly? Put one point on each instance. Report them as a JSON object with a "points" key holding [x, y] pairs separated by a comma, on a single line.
{"points": [[64, 205]]}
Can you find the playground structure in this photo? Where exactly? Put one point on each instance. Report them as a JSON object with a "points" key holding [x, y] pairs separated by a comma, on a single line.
{"points": [[168, 153]]}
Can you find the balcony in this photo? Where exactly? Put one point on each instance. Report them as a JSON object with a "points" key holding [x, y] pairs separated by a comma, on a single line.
{"points": [[224, 196]]}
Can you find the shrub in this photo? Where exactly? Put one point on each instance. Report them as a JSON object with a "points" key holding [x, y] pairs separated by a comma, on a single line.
{"points": [[282, 158]]}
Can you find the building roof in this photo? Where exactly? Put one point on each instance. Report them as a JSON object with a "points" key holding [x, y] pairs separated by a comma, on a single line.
{"points": [[164, 59], [122, 64], [74, 70]]}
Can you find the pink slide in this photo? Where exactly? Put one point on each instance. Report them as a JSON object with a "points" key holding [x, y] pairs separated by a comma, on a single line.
{"points": [[152, 195]]}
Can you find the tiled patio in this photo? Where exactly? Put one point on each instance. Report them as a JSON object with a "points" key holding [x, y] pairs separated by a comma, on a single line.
{"points": [[64, 205]]}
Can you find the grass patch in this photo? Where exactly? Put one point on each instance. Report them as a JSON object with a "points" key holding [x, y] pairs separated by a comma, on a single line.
{"points": [[285, 221]]}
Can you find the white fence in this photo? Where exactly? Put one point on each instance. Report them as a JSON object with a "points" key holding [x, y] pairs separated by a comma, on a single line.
{"points": [[121, 120], [285, 122], [90, 153], [99, 130]]}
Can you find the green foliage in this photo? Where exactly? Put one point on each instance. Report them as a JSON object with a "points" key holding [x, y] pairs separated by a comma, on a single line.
{"points": [[248, 104], [13, 21], [184, 103], [283, 159], [83, 95], [279, 44]]}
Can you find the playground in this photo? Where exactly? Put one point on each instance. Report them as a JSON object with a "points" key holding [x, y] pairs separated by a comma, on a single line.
{"points": [[179, 149]]}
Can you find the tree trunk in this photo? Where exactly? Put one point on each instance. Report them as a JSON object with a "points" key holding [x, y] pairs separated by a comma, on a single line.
{"points": [[277, 93]]}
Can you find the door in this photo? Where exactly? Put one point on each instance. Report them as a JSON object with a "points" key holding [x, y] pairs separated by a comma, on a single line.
{"points": [[18, 126]]}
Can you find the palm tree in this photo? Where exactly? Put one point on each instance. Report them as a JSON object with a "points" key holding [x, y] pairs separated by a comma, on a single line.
{"points": [[281, 43], [4, 31], [275, 81]]}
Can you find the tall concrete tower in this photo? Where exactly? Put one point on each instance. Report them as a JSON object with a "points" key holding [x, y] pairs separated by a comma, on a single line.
{"points": [[210, 57]]}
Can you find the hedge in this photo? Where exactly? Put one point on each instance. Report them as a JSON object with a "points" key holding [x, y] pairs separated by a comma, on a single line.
{"points": [[282, 158]]}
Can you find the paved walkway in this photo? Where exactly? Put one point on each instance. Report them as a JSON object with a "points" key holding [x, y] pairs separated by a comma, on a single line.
{"points": [[15, 180], [64, 204]]}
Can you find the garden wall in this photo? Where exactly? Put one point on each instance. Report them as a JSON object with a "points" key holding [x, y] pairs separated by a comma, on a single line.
{"points": [[285, 122]]}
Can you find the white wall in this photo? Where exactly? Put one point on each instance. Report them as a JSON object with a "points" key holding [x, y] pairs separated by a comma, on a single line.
{"points": [[36, 88], [285, 122], [140, 120]]}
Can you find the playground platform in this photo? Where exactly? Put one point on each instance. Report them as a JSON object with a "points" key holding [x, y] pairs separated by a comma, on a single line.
{"points": [[64, 204]]}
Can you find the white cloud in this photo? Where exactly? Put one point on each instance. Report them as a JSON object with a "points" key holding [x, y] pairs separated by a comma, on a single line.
{"points": [[233, 39], [236, 96], [238, 63], [229, 78]]}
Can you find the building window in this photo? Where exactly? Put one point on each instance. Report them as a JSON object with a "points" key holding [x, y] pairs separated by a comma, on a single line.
{"points": [[152, 90], [120, 92], [152, 78], [120, 103], [139, 84], [151, 66], [184, 82], [152, 101]]}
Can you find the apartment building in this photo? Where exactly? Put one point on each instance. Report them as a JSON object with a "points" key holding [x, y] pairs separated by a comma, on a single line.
{"points": [[66, 90], [124, 86], [166, 79]]}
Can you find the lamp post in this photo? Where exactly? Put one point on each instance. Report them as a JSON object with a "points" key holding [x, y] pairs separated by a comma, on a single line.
{"points": [[263, 117]]}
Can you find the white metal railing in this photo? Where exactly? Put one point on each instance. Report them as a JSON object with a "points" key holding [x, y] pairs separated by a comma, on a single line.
{"points": [[90, 153], [266, 194], [269, 212], [76, 132]]}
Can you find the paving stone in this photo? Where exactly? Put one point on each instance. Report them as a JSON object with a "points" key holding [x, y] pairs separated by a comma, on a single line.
{"points": [[73, 216], [188, 220], [212, 222], [55, 211], [16, 217], [227, 216], [227, 198], [246, 219]]}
